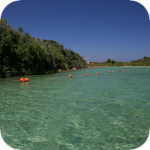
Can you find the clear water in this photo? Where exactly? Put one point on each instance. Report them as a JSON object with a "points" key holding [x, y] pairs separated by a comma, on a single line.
{"points": [[108, 111]]}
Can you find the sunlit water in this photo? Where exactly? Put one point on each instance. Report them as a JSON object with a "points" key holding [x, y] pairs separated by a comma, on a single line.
{"points": [[108, 111]]}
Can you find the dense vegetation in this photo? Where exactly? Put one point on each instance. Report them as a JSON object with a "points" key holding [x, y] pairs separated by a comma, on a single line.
{"points": [[22, 54], [140, 62]]}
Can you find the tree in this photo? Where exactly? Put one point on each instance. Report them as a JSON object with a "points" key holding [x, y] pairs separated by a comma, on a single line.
{"points": [[145, 57], [20, 29], [22, 54], [45, 40], [112, 61], [109, 60]]}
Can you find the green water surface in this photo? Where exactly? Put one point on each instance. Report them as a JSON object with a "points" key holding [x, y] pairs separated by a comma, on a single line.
{"points": [[109, 111]]}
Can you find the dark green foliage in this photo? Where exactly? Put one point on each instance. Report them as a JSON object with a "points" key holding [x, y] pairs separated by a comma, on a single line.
{"points": [[109, 60], [112, 61], [20, 29], [145, 58], [119, 64], [21, 54], [141, 62]]}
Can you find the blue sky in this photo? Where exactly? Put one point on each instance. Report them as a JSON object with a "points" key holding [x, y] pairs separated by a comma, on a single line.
{"points": [[96, 29]]}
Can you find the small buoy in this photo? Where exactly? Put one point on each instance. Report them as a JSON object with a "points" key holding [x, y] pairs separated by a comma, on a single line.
{"points": [[113, 71], [109, 71], [81, 75], [120, 70], [126, 70], [97, 73], [135, 68], [26, 79], [87, 74], [21, 79], [70, 76]]}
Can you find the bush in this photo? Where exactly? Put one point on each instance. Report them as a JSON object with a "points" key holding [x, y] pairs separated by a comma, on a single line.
{"points": [[27, 55]]}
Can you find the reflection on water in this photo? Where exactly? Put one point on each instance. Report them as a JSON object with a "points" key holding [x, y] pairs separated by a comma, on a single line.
{"points": [[55, 112], [24, 86]]}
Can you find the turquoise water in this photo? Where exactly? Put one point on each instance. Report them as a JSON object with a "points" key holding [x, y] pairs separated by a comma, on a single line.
{"points": [[108, 111]]}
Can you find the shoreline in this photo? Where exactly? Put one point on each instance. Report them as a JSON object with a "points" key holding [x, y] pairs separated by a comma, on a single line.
{"points": [[116, 66], [73, 70]]}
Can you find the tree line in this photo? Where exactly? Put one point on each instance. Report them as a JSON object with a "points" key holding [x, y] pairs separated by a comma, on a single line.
{"points": [[145, 61], [22, 54]]}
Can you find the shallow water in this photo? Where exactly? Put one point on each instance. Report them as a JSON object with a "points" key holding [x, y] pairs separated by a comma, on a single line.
{"points": [[108, 111]]}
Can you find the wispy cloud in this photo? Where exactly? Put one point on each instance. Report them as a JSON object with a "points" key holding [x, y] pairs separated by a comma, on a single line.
{"points": [[86, 58]]}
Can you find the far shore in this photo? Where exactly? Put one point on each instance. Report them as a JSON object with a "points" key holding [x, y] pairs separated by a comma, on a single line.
{"points": [[78, 69], [98, 67], [117, 66]]}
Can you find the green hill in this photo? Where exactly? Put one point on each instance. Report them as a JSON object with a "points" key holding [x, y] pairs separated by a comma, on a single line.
{"points": [[22, 54]]}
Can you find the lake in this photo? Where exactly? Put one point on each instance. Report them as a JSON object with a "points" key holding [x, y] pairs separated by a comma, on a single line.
{"points": [[108, 111]]}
